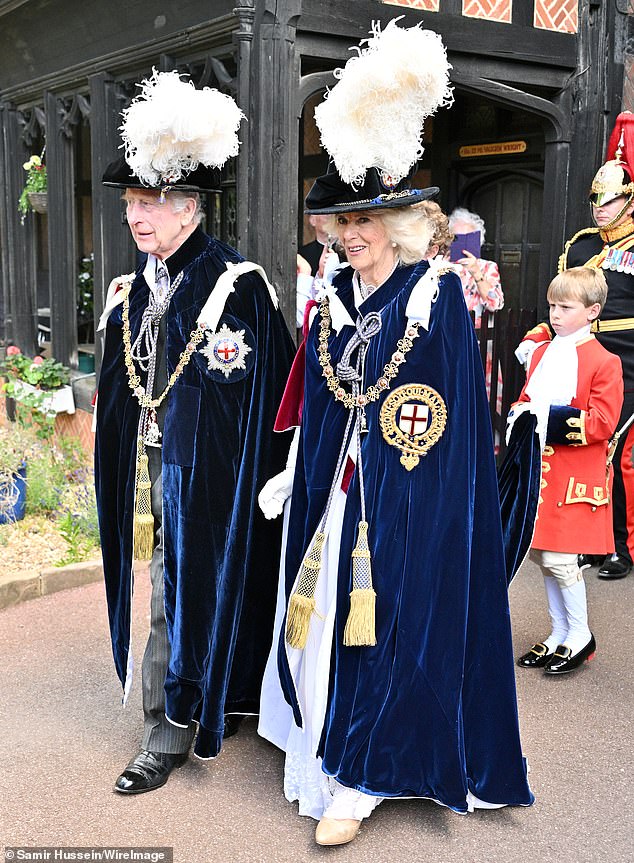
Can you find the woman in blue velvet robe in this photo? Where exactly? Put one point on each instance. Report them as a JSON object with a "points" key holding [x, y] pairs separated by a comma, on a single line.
{"points": [[430, 709]]}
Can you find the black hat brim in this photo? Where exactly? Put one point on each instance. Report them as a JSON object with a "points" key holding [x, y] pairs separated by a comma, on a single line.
{"points": [[330, 194], [119, 175]]}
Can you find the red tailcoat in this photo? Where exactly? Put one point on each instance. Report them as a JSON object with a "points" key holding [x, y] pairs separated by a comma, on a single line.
{"points": [[575, 510]]}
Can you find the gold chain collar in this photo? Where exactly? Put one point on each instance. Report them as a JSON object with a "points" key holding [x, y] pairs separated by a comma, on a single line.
{"points": [[145, 399], [390, 370]]}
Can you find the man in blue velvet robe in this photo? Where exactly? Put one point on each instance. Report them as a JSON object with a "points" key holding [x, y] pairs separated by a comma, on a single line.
{"points": [[209, 447]]}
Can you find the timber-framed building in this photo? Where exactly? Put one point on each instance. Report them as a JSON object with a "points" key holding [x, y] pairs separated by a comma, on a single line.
{"points": [[538, 84]]}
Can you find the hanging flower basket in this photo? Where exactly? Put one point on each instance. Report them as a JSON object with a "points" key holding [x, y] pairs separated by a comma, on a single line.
{"points": [[33, 195], [38, 201]]}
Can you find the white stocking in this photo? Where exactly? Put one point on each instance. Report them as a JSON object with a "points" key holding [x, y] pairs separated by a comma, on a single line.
{"points": [[579, 634], [557, 612]]}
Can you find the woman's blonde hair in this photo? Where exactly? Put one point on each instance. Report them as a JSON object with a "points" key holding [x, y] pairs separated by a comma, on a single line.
{"points": [[409, 229], [443, 235], [584, 284]]}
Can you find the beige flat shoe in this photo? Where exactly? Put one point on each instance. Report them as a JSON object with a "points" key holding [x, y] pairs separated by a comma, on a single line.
{"points": [[336, 831]]}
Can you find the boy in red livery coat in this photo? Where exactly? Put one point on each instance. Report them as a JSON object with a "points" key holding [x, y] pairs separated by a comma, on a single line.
{"points": [[575, 388]]}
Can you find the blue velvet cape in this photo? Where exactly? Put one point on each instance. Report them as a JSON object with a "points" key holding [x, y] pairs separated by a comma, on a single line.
{"points": [[431, 710], [221, 556]]}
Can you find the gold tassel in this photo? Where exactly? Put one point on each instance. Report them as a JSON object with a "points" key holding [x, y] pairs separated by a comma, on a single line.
{"points": [[360, 629], [360, 626], [143, 518], [300, 609], [302, 602]]}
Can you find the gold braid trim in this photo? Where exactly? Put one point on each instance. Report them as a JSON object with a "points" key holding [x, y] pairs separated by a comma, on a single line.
{"points": [[563, 260]]}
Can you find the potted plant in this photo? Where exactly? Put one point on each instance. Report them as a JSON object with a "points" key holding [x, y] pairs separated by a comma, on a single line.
{"points": [[33, 196], [13, 455], [39, 386]]}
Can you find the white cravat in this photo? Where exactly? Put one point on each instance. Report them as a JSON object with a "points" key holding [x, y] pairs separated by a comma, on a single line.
{"points": [[554, 381]]}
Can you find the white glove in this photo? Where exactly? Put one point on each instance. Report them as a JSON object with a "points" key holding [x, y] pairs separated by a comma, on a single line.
{"points": [[275, 493], [278, 489], [304, 294], [524, 351], [331, 264]]}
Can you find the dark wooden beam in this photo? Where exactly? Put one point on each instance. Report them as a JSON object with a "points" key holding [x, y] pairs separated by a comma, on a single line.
{"points": [[61, 233], [273, 146], [18, 255], [112, 245], [516, 42]]}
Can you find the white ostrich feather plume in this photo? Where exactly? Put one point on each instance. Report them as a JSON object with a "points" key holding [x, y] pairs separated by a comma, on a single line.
{"points": [[172, 127], [374, 115]]}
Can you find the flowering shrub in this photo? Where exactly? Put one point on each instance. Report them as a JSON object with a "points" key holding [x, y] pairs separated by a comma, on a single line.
{"points": [[85, 291], [30, 382], [40, 373], [36, 181]]}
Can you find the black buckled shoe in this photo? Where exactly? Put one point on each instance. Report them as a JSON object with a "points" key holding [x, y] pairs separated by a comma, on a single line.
{"points": [[615, 566], [147, 771], [563, 661], [537, 657]]}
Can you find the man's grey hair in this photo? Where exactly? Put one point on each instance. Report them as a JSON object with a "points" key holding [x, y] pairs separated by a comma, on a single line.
{"points": [[178, 201], [460, 214]]}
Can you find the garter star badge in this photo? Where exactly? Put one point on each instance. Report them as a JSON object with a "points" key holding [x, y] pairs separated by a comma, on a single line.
{"points": [[413, 419], [226, 350]]}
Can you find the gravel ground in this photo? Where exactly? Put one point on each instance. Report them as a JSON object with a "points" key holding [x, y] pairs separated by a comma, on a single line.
{"points": [[30, 545]]}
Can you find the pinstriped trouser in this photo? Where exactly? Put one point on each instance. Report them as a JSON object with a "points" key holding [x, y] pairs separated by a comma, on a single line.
{"points": [[159, 735]]}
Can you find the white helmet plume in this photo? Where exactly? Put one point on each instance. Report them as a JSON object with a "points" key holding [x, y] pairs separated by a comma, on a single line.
{"points": [[374, 115], [172, 127]]}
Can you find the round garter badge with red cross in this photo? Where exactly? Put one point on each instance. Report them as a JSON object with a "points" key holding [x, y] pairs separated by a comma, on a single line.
{"points": [[226, 350], [413, 418]]}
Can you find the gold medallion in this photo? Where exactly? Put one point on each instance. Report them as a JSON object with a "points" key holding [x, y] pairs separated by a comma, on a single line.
{"points": [[413, 419]]}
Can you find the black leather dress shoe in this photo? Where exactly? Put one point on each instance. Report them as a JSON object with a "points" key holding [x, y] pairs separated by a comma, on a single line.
{"points": [[232, 723], [563, 661], [537, 657], [147, 771], [589, 559], [615, 566]]}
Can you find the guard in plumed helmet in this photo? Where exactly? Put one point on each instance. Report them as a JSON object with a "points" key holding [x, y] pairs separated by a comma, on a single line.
{"points": [[196, 355], [609, 246]]}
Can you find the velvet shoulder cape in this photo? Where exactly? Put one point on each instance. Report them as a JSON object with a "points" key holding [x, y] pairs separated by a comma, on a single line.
{"points": [[221, 556], [430, 711]]}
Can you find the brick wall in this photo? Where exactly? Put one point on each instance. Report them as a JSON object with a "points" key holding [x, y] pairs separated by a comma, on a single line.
{"points": [[78, 425], [560, 15]]}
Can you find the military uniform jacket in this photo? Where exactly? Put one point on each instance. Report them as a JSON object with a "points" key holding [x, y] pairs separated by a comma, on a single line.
{"points": [[574, 505], [620, 300]]}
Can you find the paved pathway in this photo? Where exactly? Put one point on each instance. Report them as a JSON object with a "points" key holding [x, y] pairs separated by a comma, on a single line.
{"points": [[65, 738]]}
